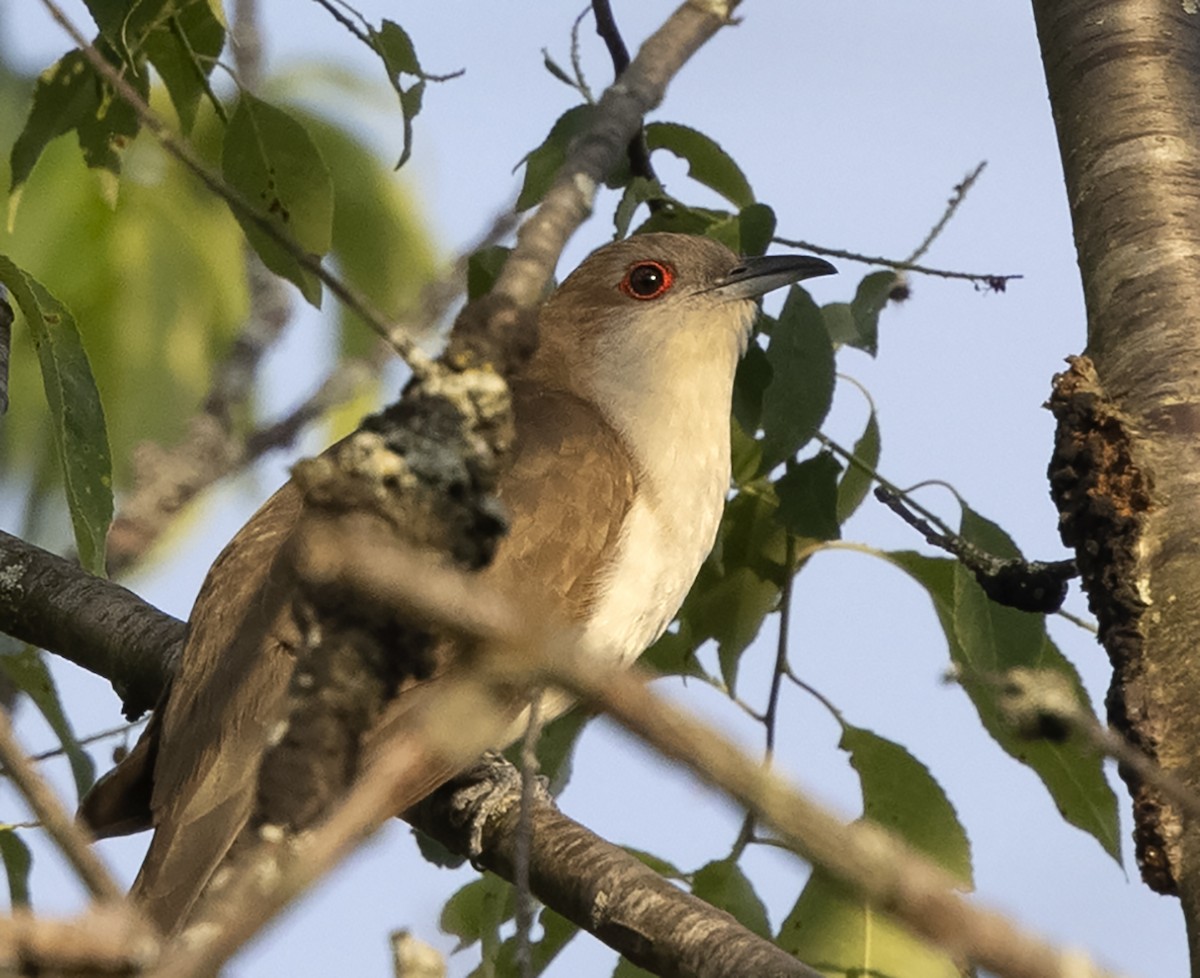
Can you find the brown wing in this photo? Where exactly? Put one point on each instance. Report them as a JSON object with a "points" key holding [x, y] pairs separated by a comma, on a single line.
{"points": [[230, 686], [570, 486]]}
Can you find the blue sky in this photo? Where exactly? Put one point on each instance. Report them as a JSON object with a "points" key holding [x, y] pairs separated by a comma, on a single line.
{"points": [[854, 121]]}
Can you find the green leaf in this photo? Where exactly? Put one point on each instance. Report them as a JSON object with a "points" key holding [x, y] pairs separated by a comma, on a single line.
{"points": [[71, 96], [856, 323], [64, 94], [745, 454], [183, 49], [723, 885], [483, 268], [680, 219], [869, 299], [434, 852], [476, 912], [637, 191], [627, 969], [833, 929], [557, 933], [732, 613], [396, 49], [380, 245], [856, 483], [555, 748], [674, 654], [808, 498], [543, 163], [708, 164], [17, 863], [272, 161], [756, 224], [78, 429], [900, 794], [986, 639], [749, 384], [656, 863], [802, 378], [399, 57], [27, 671]]}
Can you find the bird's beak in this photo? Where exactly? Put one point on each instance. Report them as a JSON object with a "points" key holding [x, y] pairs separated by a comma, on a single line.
{"points": [[753, 277]]}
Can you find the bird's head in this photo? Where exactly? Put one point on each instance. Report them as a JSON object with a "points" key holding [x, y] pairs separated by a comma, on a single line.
{"points": [[631, 299]]}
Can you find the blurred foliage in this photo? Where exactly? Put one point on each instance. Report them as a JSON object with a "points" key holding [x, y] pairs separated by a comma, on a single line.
{"points": [[157, 283], [108, 232]]}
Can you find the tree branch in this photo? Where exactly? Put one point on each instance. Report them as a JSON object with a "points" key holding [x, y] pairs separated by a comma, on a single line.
{"points": [[105, 940], [105, 628], [70, 838]]}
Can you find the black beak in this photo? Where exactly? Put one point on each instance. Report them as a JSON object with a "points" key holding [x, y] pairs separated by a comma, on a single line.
{"points": [[753, 277]]}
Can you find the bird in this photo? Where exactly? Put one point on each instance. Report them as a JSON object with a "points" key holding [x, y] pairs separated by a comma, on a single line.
{"points": [[619, 475]]}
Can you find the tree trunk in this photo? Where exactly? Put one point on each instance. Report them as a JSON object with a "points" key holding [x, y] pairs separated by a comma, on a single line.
{"points": [[1124, 86]]}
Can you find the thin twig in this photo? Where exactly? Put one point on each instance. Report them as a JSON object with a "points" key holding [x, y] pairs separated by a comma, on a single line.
{"points": [[771, 715], [63, 829], [577, 60], [952, 205], [529, 774], [420, 363], [989, 281], [124, 728], [606, 27], [591, 157], [345, 21], [891, 487]]}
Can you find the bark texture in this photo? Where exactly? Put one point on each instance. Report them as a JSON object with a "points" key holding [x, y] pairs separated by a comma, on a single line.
{"points": [[1124, 85]]}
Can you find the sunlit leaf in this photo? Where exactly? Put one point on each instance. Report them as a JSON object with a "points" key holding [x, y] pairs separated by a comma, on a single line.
{"points": [[900, 794], [71, 96], [183, 49], [984, 640], [79, 433], [272, 161], [802, 378], [836, 931], [832, 930], [707, 162]]}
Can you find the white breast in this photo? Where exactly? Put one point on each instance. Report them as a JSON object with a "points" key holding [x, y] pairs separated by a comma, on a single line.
{"points": [[676, 422]]}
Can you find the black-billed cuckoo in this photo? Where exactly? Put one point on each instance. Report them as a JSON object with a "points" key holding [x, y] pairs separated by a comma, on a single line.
{"points": [[616, 489]]}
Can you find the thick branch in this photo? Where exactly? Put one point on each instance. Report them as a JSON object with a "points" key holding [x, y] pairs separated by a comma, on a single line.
{"points": [[106, 940], [106, 629], [1125, 93]]}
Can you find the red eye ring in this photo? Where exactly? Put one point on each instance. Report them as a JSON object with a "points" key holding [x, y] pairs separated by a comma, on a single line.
{"points": [[647, 280]]}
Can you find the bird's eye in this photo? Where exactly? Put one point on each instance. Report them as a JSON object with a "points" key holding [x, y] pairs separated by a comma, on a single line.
{"points": [[647, 280]]}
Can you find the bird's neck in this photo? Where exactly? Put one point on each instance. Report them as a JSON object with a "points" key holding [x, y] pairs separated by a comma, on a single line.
{"points": [[672, 411]]}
